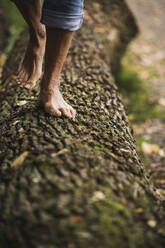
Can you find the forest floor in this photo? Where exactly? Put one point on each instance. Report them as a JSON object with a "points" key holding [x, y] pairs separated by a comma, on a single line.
{"points": [[146, 57]]}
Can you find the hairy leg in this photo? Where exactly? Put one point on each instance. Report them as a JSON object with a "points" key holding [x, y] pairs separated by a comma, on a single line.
{"points": [[57, 46], [31, 67]]}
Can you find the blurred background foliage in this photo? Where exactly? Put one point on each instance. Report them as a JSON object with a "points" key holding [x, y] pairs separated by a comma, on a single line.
{"points": [[16, 22], [137, 95]]}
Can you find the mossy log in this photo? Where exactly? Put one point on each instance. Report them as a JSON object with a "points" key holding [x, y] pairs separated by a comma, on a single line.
{"points": [[73, 184], [120, 28]]}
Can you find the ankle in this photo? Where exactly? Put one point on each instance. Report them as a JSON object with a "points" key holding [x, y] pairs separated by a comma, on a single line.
{"points": [[49, 89], [48, 84]]}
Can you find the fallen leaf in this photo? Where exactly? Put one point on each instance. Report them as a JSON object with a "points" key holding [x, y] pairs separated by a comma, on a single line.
{"points": [[53, 155], [19, 160], [76, 218], [162, 102], [113, 35], [161, 153], [2, 62], [15, 122], [21, 103], [21, 130], [139, 210], [152, 223], [94, 133], [98, 195], [2, 59], [99, 30], [160, 192], [36, 179]]}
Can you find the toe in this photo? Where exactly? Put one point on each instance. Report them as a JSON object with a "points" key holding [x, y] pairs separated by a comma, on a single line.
{"points": [[29, 85], [21, 85], [73, 113], [56, 113], [52, 111], [66, 112], [18, 80]]}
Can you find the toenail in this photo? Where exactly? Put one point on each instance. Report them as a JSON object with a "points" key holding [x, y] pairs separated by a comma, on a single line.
{"points": [[28, 86], [58, 114]]}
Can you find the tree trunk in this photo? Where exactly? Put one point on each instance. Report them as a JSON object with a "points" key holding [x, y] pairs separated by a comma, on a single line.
{"points": [[74, 184]]}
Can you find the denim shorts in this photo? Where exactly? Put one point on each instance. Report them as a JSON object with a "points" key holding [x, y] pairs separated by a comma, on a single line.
{"points": [[64, 14]]}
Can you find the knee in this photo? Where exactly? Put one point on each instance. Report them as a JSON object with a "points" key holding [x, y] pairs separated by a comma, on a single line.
{"points": [[41, 31]]}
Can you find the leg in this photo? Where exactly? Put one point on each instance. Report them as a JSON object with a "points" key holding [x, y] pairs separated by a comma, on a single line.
{"points": [[31, 67], [57, 46], [61, 19]]}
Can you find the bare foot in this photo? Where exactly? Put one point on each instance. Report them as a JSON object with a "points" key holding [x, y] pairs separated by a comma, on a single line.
{"points": [[30, 69], [53, 103]]}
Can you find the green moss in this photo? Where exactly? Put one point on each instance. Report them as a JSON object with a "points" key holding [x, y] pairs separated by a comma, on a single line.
{"points": [[137, 96], [114, 224], [84, 197]]}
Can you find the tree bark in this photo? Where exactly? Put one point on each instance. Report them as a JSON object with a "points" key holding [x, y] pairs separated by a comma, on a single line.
{"points": [[120, 28], [79, 183]]}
